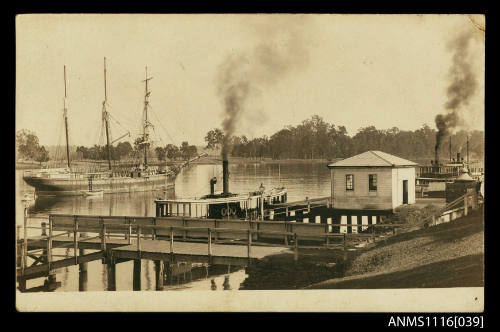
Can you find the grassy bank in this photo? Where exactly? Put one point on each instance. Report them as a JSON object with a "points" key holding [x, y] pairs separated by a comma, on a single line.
{"points": [[447, 255]]}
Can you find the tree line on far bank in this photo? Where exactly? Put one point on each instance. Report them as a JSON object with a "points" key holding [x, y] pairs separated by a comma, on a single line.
{"points": [[316, 139], [28, 148], [124, 150], [312, 139]]}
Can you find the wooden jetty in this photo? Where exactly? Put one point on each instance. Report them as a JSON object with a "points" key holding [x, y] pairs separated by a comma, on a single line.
{"points": [[173, 240], [167, 241]]}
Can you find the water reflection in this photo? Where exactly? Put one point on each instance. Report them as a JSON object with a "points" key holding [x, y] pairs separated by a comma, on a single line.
{"points": [[301, 179]]}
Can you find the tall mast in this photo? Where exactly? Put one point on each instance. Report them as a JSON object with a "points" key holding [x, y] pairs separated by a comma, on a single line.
{"points": [[145, 134], [66, 120], [105, 116]]}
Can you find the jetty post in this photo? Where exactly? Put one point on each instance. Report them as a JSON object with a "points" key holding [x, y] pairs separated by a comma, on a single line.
{"points": [[295, 247], [249, 248], [137, 264], [159, 274], [82, 270], [111, 273], [51, 278], [25, 239], [18, 253]]}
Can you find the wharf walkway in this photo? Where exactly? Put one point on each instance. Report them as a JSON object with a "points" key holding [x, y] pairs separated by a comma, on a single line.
{"points": [[166, 241], [164, 251]]}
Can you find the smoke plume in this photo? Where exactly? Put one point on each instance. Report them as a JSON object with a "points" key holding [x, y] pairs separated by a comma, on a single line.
{"points": [[463, 84], [279, 51]]}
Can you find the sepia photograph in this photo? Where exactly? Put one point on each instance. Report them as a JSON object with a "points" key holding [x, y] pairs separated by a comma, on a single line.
{"points": [[250, 162]]}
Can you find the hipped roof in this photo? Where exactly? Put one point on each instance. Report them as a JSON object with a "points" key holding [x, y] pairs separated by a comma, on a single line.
{"points": [[373, 159]]}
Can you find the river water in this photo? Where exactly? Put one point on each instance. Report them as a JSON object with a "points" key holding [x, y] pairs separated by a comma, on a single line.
{"points": [[302, 179]]}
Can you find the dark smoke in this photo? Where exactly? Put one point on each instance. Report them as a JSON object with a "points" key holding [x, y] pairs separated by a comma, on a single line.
{"points": [[241, 77], [463, 84]]}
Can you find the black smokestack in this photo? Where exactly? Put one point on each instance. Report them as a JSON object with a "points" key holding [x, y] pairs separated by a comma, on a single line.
{"points": [[213, 181], [225, 177], [463, 84], [436, 156], [279, 50]]}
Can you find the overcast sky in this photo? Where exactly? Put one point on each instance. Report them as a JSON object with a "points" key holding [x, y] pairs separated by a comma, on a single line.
{"points": [[354, 70]]}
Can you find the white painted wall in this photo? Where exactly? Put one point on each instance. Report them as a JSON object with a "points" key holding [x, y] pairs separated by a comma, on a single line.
{"points": [[361, 197], [398, 175], [389, 194]]}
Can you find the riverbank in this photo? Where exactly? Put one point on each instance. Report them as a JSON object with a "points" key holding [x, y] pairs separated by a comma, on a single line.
{"points": [[446, 255], [216, 160], [209, 160]]}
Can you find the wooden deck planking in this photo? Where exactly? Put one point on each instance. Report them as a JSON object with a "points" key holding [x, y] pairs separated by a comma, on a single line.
{"points": [[194, 252]]}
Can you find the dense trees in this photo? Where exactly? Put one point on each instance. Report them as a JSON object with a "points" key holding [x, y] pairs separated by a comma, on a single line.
{"points": [[124, 150], [42, 155], [29, 148], [172, 152], [316, 139], [214, 139]]}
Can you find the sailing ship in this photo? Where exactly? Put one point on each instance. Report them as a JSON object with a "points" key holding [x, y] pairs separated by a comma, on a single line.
{"points": [[67, 182]]}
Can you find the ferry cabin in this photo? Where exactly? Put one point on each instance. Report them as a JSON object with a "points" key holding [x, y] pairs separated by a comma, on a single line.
{"points": [[372, 180], [246, 206]]}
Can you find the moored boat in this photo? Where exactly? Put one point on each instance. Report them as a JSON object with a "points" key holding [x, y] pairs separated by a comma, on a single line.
{"points": [[229, 205], [93, 193], [66, 182]]}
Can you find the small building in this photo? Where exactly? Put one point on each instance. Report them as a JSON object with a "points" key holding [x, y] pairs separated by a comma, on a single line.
{"points": [[372, 180]]}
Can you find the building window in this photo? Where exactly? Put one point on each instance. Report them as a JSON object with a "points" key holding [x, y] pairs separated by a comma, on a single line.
{"points": [[349, 182], [372, 182]]}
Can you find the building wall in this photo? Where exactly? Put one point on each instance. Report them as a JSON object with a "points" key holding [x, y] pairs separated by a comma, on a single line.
{"points": [[361, 197], [398, 175]]}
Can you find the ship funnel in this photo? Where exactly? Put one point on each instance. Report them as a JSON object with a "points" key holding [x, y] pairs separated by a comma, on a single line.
{"points": [[436, 157], [213, 181], [225, 176]]}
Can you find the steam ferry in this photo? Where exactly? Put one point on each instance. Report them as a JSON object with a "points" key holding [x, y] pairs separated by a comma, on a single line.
{"points": [[247, 206]]}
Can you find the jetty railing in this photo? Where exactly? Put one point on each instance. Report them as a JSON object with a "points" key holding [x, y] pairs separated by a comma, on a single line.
{"points": [[310, 231], [141, 228]]}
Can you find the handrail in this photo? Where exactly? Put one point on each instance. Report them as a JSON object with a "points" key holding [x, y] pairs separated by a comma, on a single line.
{"points": [[441, 211], [180, 218], [232, 230]]}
